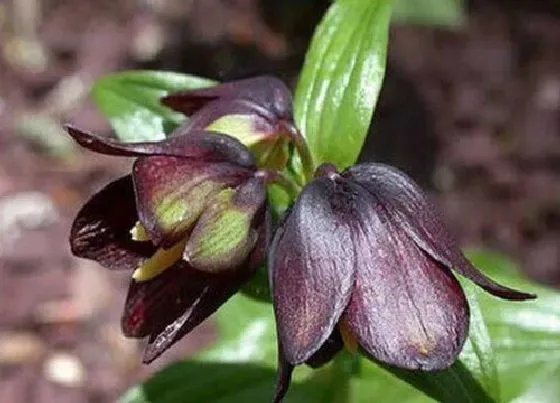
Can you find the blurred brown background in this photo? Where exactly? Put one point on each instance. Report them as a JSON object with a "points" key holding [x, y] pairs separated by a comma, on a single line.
{"points": [[472, 113]]}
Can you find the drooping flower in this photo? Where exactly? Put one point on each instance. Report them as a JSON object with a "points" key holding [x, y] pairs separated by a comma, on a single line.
{"points": [[256, 111], [190, 221], [363, 259]]}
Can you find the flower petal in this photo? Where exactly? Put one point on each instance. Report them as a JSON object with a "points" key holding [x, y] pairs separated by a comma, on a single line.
{"points": [[264, 135], [224, 234], [199, 295], [312, 268], [284, 373], [267, 92], [101, 230], [283, 377], [199, 144], [237, 118], [328, 350], [406, 308], [153, 304], [171, 193], [415, 214]]}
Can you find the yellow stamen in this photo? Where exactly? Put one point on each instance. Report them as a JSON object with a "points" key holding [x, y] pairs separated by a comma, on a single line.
{"points": [[161, 260], [348, 338], [138, 233]]}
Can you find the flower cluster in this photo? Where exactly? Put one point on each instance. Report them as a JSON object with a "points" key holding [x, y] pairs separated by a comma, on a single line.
{"points": [[360, 260]]}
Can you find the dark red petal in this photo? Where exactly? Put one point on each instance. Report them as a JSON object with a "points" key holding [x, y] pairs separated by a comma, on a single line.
{"points": [[199, 144], [221, 108], [312, 268], [267, 92], [406, 309], [171, 192], [283, 377], [412, 211], [328, 350], [101, 230], [151, 305], [200, 295]]}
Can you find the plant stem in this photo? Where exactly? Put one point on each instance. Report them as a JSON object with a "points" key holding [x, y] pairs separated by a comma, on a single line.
{"points": [[303, 151], [281, 179], [345, 366]]}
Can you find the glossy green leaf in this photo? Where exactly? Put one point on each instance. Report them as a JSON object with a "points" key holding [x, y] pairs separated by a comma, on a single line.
{"points": [[341, 79], [130, 100], [444, 13], [525, 335], [247, 333]]}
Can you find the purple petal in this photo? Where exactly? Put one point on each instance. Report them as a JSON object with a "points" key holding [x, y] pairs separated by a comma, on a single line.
{"points": [[412, 212], [101, 230], [312, 268], [283, 377], [406, 309], [328, 350], [151, 305], [269, 93], [199, 144], [221, 108], [171, 193], [200, 296]]}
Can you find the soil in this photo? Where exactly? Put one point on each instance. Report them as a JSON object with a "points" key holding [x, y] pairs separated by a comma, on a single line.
{"points": [[473, 114]]}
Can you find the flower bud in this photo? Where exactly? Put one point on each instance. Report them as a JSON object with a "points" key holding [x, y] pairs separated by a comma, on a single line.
{"points": [[257, 112]]}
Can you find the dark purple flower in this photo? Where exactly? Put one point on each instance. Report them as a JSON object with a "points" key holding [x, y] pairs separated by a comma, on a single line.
{"points": [[363, 259], [190, 221], [256, 111]]}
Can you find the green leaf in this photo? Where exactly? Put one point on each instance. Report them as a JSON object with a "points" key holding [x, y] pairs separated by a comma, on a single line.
{"points": [[444, 13], [525, 335], [341, 79], [130, 100], [247, 333]]}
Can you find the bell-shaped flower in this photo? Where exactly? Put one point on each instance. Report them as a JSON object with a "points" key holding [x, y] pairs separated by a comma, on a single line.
{"points": [[190, 222], [362, 259], [256, 111]]}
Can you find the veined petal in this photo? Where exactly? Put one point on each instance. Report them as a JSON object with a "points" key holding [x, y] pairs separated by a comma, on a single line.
{"points": [[153, 304], [411, 211], [171, 193], [224, 234], [406, 308], [199, 295], [269, 93], [199, 145], [312, 266], [101, 230]]}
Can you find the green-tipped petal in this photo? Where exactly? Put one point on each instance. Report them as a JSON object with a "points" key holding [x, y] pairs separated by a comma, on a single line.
{"points": [[172, 192], [225, 235]]}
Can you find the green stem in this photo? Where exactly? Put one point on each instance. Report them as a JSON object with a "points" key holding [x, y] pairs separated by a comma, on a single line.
{"points": [[302, 149], [305, 156], [345, 366], [281, 179]]}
